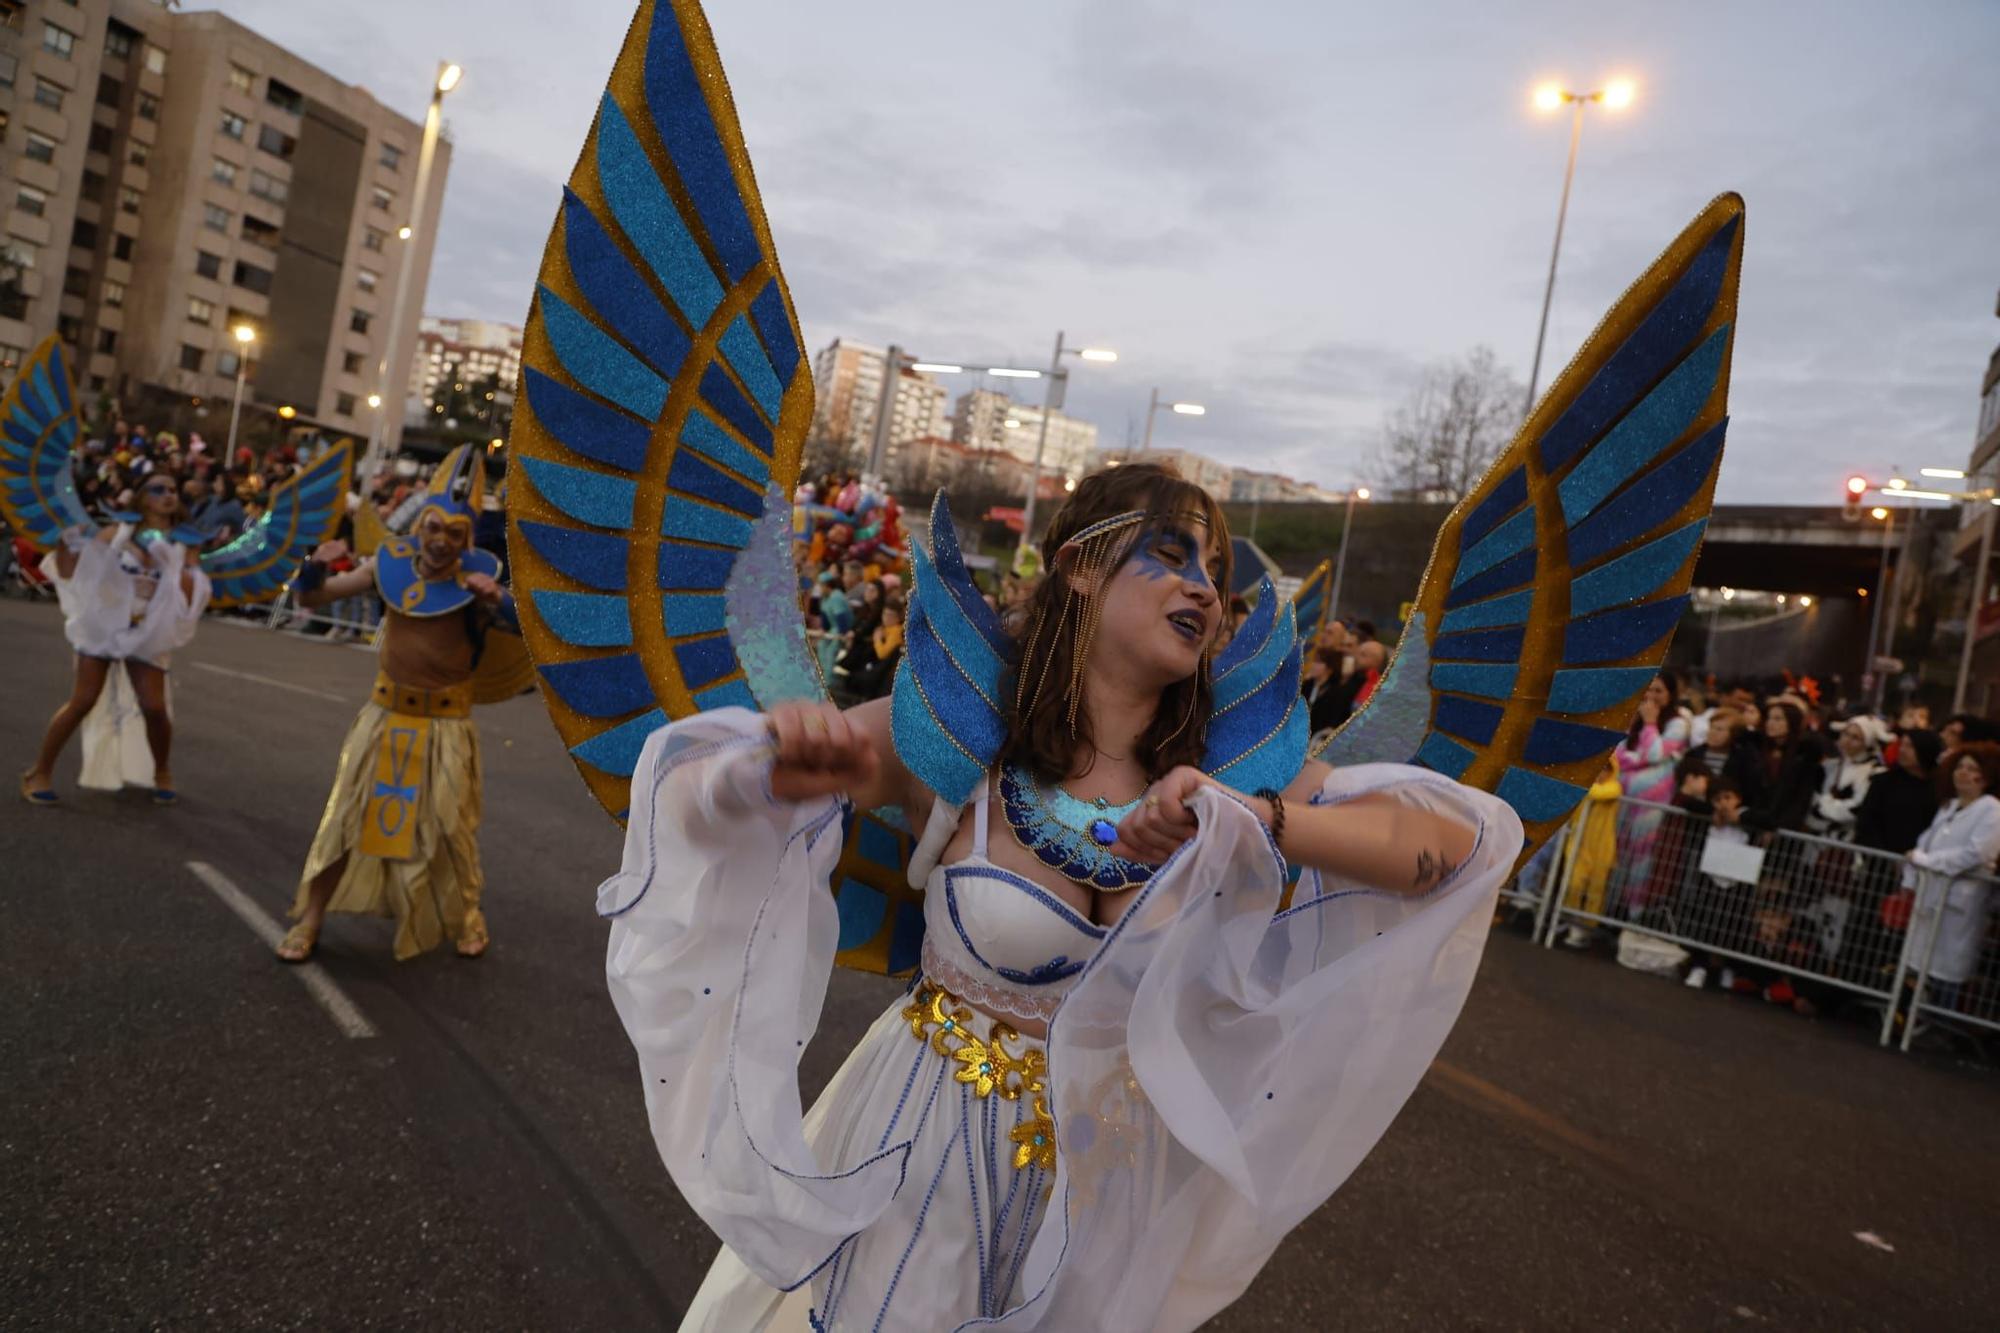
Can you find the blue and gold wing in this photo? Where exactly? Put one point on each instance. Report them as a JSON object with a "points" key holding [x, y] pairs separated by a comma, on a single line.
{"points": [[40, 425], [664, 401], [1258, 725], [1313, 602], [303, 512], [1555, 586]]}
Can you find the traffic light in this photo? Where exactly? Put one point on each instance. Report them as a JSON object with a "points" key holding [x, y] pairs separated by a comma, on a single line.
{"points": [[1857, 489]]}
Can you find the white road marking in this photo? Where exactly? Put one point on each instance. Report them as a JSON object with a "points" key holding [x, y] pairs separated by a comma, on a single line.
{"points": [[343, 1011], [273, 683]]}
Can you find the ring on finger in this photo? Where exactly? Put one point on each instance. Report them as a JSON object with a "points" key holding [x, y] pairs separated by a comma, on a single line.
{"points": [[1151, 800]]}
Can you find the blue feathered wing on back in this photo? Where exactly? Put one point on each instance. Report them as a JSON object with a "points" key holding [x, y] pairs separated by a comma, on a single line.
{"points": [[303, 512], [40, 425]]}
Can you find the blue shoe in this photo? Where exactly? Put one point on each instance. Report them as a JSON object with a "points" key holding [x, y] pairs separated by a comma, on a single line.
{"points": [[36, 795], [165, 796]]}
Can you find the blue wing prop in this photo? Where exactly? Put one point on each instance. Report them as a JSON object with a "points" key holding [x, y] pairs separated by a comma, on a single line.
{"points": [[40, 424], [1556, 584], [1258, 728], [1312, 602], [304, 512]]}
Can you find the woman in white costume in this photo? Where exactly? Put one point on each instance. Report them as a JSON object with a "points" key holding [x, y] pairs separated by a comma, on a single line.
{"points": [[131, 594], [1121, 1075]]}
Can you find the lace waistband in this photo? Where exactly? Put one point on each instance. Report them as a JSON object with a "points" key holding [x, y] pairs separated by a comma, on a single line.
{"points": [[998, 999]]}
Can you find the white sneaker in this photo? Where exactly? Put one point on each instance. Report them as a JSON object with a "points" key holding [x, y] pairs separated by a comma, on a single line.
{"points": [[1697, 978], [1576, 937]]}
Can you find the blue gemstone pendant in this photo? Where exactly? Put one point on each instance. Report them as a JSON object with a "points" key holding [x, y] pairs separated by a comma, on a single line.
{"points": [[1104, 832]]}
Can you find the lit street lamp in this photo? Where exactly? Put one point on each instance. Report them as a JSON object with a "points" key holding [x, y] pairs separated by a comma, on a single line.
{"points": [[448, 76], [245, 335], [1153, 410], [1614, 96], [1051, 400], [1340, 562]]}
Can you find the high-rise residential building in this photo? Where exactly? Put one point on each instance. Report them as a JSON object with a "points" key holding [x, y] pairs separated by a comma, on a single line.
{"points": [[989, 419], [177, 176], [1218, 479], [847, 390], [473, 350], [1246, 485]]}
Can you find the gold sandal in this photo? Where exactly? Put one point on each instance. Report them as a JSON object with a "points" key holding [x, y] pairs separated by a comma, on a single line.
{"points": [[301, 937], [473, 939]]}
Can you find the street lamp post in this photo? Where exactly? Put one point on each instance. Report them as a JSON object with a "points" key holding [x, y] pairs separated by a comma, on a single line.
{"points": [[1615, 96], [1153, 410], [1052, 399], [245, 335], [1887, 518], [448, 76], [1340, 561]]}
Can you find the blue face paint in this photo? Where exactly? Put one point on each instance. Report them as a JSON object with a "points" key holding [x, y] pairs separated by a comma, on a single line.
{"points": [[1166, 549]]}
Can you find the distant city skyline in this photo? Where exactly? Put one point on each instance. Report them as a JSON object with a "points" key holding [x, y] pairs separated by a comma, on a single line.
{"points": [[1286, 212]]}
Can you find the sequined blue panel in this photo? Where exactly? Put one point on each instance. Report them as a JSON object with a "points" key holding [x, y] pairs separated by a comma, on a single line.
{"points": [[973, 719], [1276, 761], [1649, 501], [1657, 343], [37, 393], [1588, 689], [1509, 610], [617, 751], [1552, 742], [700, 432], [1468, 719], [64, 402], [619, 295], [1509, 574], [692, 475], [1639, 574], [1443, 755], [768, 310], [862, 911], [1536, 798], [704, 661], [674, 94], [729, 694], [746, 357], [1614, 634], [1251, 637], [596, 361], [588, 497], [647, 216], [1512, 537], [1508, 496], [1480, 645], [1646, 430], [949, 561], [694, 567], [1252, 673], [765, 625], [906, 945], [924, 745], [698, 522], [588, 557], [1490, 682], [585, 619], [968, 647], [602, 686], [591, 429], [721, 394], [693, 613], [1261, 733]]}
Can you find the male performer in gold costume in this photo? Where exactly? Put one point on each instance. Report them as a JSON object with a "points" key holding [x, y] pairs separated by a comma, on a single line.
{"points": [[400, 833]]}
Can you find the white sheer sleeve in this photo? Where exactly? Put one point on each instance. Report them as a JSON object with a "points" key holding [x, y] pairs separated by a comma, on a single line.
{"points": [[723, 933]]}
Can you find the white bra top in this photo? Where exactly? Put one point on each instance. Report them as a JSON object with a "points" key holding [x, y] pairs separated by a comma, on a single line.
{"points": [[994, 938]]}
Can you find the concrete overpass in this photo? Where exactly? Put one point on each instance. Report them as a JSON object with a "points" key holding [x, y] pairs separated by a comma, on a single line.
{"points": [[1791, 549]]}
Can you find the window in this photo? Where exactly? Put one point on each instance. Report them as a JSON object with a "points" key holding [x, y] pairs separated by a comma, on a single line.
{"points": [[200, 311], [138, 154], [121, 246], [343, 404], [372, 238], [215, 218], [128, 200], [284, 97], [392, 157], [148, 107], [21, 254], [30, 200], [190, 357], [227, 363], [120, 40], [275, 141], [49, 94], [223, 172], [41, 148], [234, 125], [114, 293], [61, 41], [241, 79], [268, 187], [359, 320], [367, 279], [110, 92], [100, 138], [107, 340], [70, 329], [11, 358], [83, 234], [260, 231], [156, 60], [76, 281], [351, 363], [382, 198], [251, 278], [98, 383], [9, 66], [91, 185], [207, 265]]}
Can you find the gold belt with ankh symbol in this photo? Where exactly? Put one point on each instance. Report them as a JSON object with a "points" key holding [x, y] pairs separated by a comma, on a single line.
{"points": [[402, 761], [448, 701]]}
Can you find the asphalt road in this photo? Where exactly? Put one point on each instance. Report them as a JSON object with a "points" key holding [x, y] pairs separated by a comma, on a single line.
{"points": [[188, 1141]]}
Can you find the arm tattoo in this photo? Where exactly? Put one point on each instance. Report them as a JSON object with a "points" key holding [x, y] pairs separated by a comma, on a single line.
{"points": [[1431, 867]]}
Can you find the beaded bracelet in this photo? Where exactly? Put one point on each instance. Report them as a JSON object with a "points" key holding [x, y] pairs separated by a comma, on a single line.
{"points": [[1277, 815]]}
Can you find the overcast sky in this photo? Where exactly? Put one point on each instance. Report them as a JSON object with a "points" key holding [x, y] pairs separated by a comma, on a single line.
{"points": [[1284, 210]]}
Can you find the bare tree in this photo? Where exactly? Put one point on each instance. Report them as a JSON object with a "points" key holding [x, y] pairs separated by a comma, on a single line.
{"points": [[1440, 440]]}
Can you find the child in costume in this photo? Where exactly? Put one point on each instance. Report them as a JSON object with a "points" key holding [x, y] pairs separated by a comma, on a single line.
{"points": [[400, 834]]}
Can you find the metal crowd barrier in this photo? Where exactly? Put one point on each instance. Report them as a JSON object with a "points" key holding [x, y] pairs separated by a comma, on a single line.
{"points": [[1944, 912]]}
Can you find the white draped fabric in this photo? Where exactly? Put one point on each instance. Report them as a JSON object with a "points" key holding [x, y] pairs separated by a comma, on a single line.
{"points": [[1214, 1074], [104, 613]]}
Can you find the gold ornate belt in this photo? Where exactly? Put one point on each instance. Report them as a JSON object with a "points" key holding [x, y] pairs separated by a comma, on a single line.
{"points": [[450, 701], [987, 1066]]}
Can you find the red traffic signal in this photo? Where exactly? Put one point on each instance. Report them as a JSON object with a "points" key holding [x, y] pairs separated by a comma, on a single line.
{"points": [[1857, 488]]}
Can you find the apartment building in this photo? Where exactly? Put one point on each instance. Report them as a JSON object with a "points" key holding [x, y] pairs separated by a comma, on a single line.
{"points": [[1216, 478], [194, 178], [847, 391], [989, 419], [472, 349]]}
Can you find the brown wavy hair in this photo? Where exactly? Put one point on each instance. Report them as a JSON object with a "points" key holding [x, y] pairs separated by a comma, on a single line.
{"points": [[1986, 754], [1039, 738]]}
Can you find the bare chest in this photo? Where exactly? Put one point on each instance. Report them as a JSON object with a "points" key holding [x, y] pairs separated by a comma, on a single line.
{"points": [[426, 653]]}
